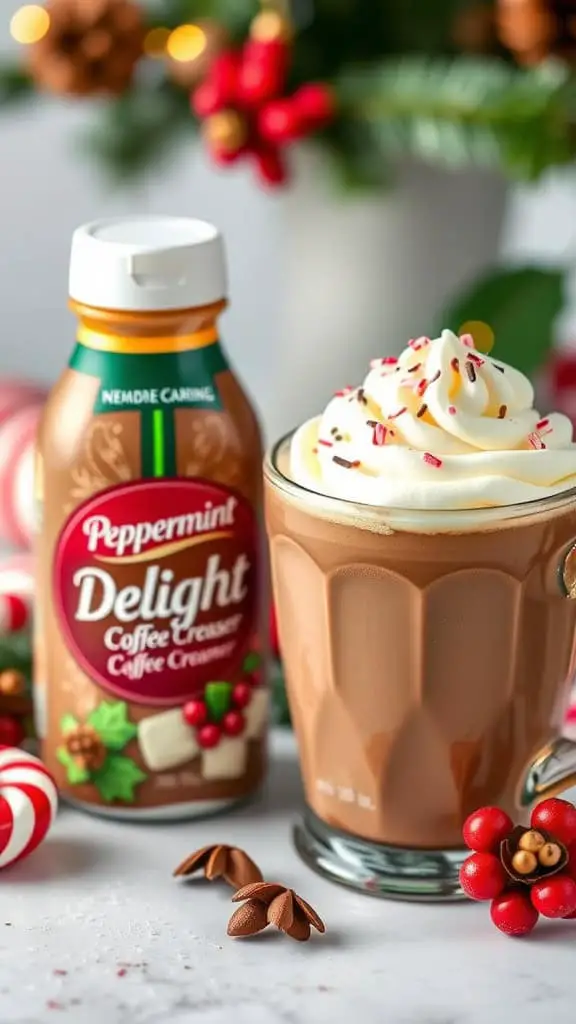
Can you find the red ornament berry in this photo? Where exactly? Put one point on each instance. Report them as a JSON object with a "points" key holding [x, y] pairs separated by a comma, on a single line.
{"points": [[11, 731], [485, 829], [482, 876], [242, 695], [233, 723], [513, 913], [558, 817], [195, 712], [262, 74], [316, 104], [554, 897], [271, 166], [209, 736], [280, 122]]}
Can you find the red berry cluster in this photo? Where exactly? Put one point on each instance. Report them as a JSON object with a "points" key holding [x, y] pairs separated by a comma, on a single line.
{"points": [[243, 106], [516, 906], [12, 731], [233, 723]]}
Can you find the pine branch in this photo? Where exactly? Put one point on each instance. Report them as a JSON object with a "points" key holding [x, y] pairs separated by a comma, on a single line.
{"points": [[140, 129], [15, 85], [466, 111]]}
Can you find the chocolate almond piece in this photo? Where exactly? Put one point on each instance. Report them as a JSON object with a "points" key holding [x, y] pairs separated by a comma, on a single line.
{"points": [[511, 846], [221, 861], [249, 919]]}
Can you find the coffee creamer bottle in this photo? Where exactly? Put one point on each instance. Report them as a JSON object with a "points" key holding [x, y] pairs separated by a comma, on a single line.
{"points": [[150, 681]]}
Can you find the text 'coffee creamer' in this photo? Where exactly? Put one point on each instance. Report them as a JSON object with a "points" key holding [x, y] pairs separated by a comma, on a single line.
{"points": [[150, 649]]}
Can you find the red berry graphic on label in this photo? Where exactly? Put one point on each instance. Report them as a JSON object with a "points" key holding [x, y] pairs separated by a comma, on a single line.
{"points": [[482, 876], [233, 723], [242, 695], [558, 817], [195, 712], [209, 736], [11, 731], [513, 913], [485, 829], [555, 897]]}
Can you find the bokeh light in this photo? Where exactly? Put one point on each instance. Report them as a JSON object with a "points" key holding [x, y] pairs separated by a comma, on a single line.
{"points": [[482, 333], [156, 42], [186, 43], [30, 24]]}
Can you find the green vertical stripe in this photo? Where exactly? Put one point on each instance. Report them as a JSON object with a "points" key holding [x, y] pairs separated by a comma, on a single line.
{"points": [[159, 460]]}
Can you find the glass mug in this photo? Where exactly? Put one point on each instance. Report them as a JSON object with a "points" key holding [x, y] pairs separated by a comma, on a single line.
{"points": [[428, 659]]}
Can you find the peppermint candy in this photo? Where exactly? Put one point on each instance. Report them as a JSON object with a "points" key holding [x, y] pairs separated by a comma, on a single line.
{"points": [[28, 804]]}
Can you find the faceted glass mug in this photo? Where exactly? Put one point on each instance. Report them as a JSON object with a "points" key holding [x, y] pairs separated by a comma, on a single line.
{"points": [[428, 659]]}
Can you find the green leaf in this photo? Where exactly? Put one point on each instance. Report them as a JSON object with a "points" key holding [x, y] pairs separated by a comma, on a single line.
{"points": [[74, 772], [218, 697], [463, 111], [68, 723], [251, 662], [520, 305], [110, 720], [118, 778]]}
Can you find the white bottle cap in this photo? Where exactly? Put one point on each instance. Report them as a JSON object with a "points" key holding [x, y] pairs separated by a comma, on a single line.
{"points": [[147, 263]]}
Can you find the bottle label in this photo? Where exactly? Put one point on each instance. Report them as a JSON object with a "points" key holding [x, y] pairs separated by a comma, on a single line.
{"points": [[155, 586]]}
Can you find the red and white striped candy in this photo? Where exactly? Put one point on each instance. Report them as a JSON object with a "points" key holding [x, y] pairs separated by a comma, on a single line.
{"points": [[20, 409], [28, 804]]}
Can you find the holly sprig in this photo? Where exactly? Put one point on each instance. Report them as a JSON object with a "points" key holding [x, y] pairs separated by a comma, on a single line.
{"points": [[118, 777]]}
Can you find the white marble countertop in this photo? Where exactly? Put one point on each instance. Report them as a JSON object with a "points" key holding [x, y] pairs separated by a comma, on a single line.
{"points": [[94, 930]]}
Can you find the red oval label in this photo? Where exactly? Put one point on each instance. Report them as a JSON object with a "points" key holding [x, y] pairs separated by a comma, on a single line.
{"points": [[155, 587]]}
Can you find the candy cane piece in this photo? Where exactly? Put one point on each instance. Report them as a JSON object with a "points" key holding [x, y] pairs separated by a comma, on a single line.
{"points": [[28, 804]]}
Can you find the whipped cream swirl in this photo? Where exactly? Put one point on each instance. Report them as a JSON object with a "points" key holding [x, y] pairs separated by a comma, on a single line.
{"points": [[441, 427]]}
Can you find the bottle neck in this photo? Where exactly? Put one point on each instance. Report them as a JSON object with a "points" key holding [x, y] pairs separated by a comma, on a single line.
{"points": [[143, 333]]}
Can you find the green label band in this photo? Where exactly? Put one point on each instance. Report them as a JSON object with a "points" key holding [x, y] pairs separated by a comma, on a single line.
{"points": [[154, 386]]}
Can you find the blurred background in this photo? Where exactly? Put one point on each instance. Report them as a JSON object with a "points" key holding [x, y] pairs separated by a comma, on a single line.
{"points": [[379, 168]]}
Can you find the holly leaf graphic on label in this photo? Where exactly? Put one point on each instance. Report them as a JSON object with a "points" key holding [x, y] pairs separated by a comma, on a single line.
{"points": [[251, 662], [118, 778], [218, 697], [75, 773], [110, 720], [68, 723]]}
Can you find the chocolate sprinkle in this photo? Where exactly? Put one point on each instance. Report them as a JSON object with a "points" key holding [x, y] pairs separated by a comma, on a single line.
{"points": [[471, 372], [435, 377], [496, 367], [344, 462], [362, 397], [502, 412], [412, 369], [455, 364], [371, 423], [421, 411]]}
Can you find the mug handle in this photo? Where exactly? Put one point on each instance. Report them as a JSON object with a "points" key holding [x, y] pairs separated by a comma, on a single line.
{"points": [[553, 771]]}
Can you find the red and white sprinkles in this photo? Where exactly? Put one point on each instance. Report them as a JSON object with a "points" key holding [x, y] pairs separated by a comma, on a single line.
{"points": [[28, 804], [437, 428]]}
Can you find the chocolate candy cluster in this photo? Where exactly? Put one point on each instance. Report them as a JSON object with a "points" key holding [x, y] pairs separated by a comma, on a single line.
{"points": [[525, 872]]}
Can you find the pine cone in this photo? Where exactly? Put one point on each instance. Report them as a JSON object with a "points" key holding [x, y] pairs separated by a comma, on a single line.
{"points": [[85, 746], [92, 46], [536, 29]]}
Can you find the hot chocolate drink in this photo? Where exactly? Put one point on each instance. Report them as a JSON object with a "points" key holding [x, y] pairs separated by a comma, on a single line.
{"points": [[421, 535]]}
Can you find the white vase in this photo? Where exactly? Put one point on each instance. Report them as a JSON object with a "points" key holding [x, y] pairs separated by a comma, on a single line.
{"points": [[362, 275]]}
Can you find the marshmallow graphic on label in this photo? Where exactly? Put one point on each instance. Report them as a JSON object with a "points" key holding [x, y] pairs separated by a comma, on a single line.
{"points": [[226, 761], [256, 714], [167, 741]]}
